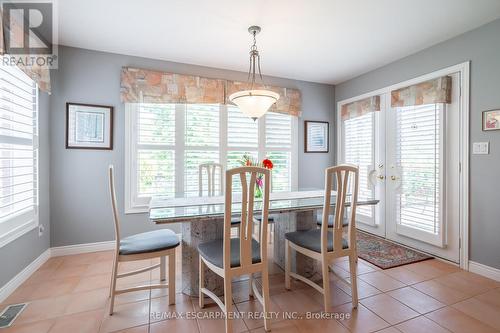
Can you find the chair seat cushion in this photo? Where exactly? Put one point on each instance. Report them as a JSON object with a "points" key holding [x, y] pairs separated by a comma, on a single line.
{"points": [[311, 239], [235, 221], [213, 252], [319, 221], [148, 242]]}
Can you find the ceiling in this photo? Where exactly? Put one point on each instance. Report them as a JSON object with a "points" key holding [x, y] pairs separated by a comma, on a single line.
{"points": [[327, 41]]}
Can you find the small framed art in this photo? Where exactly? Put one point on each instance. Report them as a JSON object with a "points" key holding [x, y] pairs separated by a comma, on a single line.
{"points": [[89, 126], [316, 136], [491, 120]]}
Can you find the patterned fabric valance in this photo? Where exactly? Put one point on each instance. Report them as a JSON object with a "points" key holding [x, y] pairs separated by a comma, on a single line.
{"points": [[288, 103], [428, 92], [141, 85], [15, 29], [360, 108]]}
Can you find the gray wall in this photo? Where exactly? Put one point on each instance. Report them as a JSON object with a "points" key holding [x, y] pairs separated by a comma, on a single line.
{"points": [[482, 48], [18, 254], [80, 208]]}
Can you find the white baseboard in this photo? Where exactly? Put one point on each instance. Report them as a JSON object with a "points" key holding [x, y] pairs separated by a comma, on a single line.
{"points": [[487, 271], [23, 275], [82, 248]]}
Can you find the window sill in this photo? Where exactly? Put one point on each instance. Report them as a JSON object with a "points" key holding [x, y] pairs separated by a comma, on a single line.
{"points": [[18, 232]]}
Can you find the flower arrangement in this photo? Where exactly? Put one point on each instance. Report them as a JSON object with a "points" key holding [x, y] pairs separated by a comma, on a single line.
{"points": [[247, 160]]}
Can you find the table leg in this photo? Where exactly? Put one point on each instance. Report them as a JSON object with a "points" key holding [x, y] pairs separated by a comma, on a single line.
{"points": [[287, 222], [194, 233]]}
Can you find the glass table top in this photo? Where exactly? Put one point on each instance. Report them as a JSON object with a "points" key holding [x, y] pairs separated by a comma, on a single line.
{"points": [[169, 210]]}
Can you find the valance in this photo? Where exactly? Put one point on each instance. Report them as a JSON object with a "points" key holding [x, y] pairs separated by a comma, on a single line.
{"points": [[428, 92], [360, 108], [15, 29], [148, 86]]}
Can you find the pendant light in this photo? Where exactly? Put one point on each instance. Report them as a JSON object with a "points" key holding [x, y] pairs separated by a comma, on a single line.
{"points": [[254, 103]]}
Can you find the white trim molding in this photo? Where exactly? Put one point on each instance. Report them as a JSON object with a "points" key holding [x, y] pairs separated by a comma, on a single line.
{"points": [[486, 271], [23, 275], [82, 248]]}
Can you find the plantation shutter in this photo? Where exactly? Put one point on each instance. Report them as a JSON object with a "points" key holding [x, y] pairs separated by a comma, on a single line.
{"points": [[278, 149], [18, 150]]}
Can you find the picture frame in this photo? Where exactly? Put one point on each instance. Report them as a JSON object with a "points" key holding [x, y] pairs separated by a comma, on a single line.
{"points": [[316, 136], [89, 126], [491, 120]]}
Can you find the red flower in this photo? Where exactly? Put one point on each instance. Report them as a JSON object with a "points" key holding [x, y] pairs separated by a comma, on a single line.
{"points": [[267, 164]]}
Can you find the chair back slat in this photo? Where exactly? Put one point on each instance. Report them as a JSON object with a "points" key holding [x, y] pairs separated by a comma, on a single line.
{"points": [[112, 192], [247, 214], [211, 170], [347, 178]]}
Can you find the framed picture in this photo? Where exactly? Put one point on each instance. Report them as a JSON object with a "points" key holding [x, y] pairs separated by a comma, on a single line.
{"points": [[316, 136], [491, 120], [89, 126]]}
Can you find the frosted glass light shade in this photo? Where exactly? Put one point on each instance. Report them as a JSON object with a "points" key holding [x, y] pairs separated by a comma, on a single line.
{"points": [[254, 103]]}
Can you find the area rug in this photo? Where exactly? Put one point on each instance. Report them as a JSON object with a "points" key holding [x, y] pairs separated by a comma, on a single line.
{"points": [[385, 254]]}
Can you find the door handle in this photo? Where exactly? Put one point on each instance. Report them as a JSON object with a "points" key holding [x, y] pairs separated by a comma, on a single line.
{"points": [[381, 177], [394, 177]]}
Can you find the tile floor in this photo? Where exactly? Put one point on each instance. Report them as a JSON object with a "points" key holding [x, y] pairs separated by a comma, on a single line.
{"points": [[70, 294]]}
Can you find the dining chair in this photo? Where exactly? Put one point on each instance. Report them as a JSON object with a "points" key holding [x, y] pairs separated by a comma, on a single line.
{"points": [[229, 257], [147, 245], [211, 169], [326, 244]]}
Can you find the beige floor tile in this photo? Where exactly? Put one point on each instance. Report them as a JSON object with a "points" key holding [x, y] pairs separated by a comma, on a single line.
{"points": [[416, 300], [389, 330], [440, 292], [36, 327], [362, 267], [279, 327], [405, 275], [126, 316], [360, 319], [364, 289], [491, 298], [88, 300], [57, 287], [320, 325], [70, 271], [458, 322], [137, 329], [426, 269], [421, 325], [42, 309], [458, 282], [101, 267], [93, 282], [176, 325], [211, 320], [443, 265], [277, 284], [381, 281], [160, 307], [21, 294], [40, 276], [86, 322], [389, 309], [52, 263], [297, 301], [481, 311], [250, 308]]}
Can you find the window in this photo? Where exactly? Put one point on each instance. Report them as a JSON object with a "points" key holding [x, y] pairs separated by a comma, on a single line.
{"points": [[167, 142], [18, 154]]}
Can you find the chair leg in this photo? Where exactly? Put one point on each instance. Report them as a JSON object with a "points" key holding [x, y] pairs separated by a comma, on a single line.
{"points": [[163, 264], [288, 264], [250, 282], [228, 301], [326, 284], [171, 278], [201, 296], [353, 259], [265, 296], [113, 285]]}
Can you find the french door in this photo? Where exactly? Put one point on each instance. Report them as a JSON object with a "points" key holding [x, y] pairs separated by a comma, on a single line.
{"points": [[409, 159]]}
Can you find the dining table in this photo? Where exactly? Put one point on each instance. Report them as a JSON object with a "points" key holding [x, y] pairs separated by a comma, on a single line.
{"points": [[202, 219]]}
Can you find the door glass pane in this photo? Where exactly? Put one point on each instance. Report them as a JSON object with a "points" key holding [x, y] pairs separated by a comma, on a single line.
{"points": [[418, 160], [359, 150]]}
